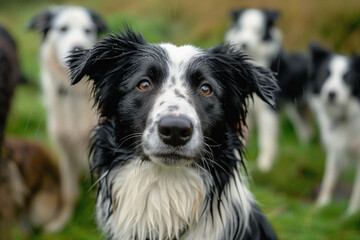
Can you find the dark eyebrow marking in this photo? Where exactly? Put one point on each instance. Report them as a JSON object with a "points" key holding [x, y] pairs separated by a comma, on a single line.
{"points": [[178, 94]]}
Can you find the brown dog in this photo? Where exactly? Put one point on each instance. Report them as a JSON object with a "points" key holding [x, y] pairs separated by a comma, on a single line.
{"points": [[9, 70], [34, 184], [29, 178]]}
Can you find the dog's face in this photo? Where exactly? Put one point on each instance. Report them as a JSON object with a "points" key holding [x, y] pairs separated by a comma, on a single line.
{"points": [[68, 29], [335, 78], [170, 103], [254, 32]]}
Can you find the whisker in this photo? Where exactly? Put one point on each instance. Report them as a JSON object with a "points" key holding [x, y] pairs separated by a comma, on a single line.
{"points": [[99, 179]]}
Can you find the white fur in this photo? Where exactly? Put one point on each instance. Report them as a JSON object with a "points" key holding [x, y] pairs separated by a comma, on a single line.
{"points": [[70, 116], [160, 202], [339, 124], [335, 83]]}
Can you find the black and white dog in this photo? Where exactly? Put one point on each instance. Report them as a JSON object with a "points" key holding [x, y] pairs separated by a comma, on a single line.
{"points": [[70, 116], [254, 31], [167, 151], [335, 99]]}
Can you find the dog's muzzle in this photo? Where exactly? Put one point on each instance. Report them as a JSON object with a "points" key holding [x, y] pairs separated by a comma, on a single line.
{"points": [[175, 130]]}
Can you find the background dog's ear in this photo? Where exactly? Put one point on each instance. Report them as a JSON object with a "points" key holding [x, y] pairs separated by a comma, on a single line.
{"points": [[235, 14], [99, 21], [241, 79], [355, 58], [318, 54], [272, 15], [41, 22]]}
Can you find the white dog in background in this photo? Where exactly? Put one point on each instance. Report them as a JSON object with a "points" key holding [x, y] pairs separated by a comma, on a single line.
{"points": [[335, 99], [70, 117], [255, 32]]}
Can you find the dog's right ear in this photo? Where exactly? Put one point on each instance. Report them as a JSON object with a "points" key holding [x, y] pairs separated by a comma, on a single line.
{"points": [[317, 54], [41, 22], [106, 64], [235, 14]]}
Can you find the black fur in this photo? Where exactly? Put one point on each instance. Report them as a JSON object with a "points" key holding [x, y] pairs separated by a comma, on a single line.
{"points": [[116, 64], [9, 76], [292, 73]]}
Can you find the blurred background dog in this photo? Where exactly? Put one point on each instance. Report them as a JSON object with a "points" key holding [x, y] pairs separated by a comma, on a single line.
{"points": [[255, 32], [70, 117], [335, 100]]}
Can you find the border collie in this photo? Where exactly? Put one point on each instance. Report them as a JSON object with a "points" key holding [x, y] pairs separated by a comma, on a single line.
{"points": [[254, 31], [70, 117], [335, 99], [167, 151]]}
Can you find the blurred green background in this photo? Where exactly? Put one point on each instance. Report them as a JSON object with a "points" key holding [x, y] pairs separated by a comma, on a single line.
{"points": [[287, 193]]}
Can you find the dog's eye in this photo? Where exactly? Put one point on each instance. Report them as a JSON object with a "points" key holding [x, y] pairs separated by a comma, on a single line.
{"points": [[144, 85], [206, 89], [63, 29], [87, 30]]}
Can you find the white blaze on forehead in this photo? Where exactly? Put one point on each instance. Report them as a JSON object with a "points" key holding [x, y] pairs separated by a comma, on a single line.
{"points": [[175, 89], [338, 66], [252, 19], [75, 16], [180, 54], [174, 99]]}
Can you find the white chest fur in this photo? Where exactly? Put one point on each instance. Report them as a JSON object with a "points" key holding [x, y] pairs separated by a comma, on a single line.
{"points": [[152, 201]]}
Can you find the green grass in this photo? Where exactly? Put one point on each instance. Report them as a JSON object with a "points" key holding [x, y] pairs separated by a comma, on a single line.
{"points": [[287, 193]]}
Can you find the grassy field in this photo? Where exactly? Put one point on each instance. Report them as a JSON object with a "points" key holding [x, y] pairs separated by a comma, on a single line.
{"points": [[287, 193]]}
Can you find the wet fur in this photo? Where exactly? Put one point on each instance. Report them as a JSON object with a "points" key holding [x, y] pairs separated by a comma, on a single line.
{"points": [[194, 191]]}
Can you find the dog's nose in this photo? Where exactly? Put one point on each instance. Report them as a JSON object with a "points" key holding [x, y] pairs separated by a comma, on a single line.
{"points": [[175, 131], [78, 48], [331, 96]]}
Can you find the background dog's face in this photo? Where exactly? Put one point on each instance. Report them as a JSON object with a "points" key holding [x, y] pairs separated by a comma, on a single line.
{"points": [[67, 29], [254, 31], [170, 101], [335, 78]]}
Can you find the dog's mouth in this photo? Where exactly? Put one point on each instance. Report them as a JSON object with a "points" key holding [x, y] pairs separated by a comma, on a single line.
{"points": [[170, 159]]}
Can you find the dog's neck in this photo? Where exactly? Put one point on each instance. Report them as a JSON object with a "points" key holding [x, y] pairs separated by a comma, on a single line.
{"points": [[155, 201], [50, 62]]}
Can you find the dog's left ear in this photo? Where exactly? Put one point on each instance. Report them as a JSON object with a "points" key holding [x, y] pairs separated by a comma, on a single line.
{"points": [[99, 21], [271, 16], [241, 79], [41, 22], [235, 14]]}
